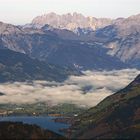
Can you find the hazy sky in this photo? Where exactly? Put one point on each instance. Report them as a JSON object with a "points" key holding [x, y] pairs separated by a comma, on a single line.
{"points": [[23, 11]]}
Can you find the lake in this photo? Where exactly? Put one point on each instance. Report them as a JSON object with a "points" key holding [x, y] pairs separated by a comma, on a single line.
{"points": [[44, 122]]}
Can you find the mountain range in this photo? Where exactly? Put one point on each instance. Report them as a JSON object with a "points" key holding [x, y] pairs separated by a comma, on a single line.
{"points": [[121, 35], [46, 45], [112, 44]]}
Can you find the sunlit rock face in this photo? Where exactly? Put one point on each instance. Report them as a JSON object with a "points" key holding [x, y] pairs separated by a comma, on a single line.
{"points": [[71, 21]]}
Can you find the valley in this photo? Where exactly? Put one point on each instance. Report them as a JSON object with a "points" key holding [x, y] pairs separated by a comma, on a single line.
{"points": [[70, 76], [40, 109]]}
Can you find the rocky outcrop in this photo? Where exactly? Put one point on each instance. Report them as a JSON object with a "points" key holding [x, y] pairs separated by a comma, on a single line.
{"points": [[71, 21]]}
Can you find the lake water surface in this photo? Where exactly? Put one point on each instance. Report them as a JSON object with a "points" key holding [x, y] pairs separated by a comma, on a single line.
{"points": [[44, 122]]}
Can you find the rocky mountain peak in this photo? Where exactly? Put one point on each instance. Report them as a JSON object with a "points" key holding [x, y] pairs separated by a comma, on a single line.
{"points": [[71, 21], [8, 28], [128, 25]]}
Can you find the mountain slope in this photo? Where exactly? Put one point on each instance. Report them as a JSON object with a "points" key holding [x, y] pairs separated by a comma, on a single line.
{"points": [[123, 39], [82, 56], [19, 67], [126, 48], [117, 116]]}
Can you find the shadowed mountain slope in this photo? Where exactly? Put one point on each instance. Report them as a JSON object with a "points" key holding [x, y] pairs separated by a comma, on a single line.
{"points": [[19, 67], [117, 116], [18, 131]]}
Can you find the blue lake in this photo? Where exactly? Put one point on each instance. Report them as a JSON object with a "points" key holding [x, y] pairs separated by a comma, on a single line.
{"points": [[43, 122]]}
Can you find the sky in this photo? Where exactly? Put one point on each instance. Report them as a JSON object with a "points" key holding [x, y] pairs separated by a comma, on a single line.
{"points": [[23, 11]]}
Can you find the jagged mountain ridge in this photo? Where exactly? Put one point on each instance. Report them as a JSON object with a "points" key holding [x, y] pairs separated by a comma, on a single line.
{"points": [[120, 35], [71, 21], [76, 20], [121, 40]]}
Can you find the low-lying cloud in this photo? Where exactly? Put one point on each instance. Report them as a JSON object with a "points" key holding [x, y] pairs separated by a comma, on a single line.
{"points": [[86, 90]]}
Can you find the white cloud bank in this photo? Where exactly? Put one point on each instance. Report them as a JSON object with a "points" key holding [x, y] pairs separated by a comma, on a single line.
{"points": [[86, 90]]}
